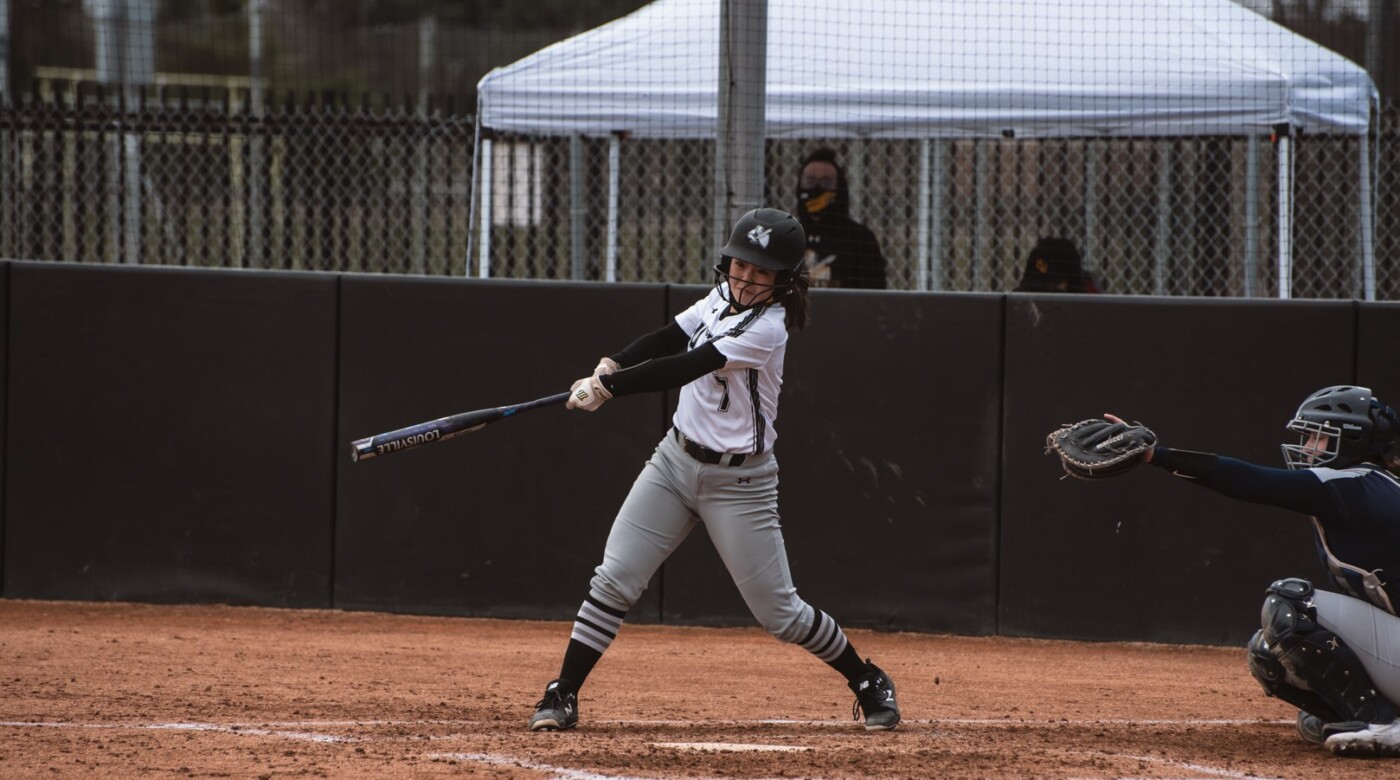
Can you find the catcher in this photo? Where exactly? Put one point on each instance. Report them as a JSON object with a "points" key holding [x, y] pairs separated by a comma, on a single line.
{"points": [[1335, 656]]}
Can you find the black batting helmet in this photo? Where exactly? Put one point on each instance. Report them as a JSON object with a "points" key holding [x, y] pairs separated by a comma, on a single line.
{"points": [[1359, 427], [768, 238]]}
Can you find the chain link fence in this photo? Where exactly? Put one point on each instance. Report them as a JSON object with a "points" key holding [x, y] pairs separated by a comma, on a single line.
{"points": [[1193, 216], [203, 177], [211, 177]]}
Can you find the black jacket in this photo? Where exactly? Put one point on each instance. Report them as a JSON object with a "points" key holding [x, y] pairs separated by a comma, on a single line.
{"points": [[843, 253]]}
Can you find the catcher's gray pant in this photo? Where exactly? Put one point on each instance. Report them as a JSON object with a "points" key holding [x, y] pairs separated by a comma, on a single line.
{"points": [[739, 506], [1372, 633]]}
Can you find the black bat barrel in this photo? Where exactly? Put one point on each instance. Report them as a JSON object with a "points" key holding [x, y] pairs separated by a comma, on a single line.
{"points": [[440, 429]]}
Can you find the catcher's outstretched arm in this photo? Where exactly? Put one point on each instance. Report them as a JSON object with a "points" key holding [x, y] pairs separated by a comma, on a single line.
{"points": [[1301, 491]]}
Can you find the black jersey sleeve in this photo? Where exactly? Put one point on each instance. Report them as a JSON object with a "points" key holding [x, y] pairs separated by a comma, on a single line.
{"points": [[665, 373], [1300, 491], [666, 340], [873, 261]]}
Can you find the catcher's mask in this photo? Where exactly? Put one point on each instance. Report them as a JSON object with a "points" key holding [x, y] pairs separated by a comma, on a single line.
{"points": [[1357, 427], [768, 238]]}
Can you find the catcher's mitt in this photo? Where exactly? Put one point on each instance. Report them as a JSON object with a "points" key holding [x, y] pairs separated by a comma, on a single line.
{"points": [[1099, 449]]}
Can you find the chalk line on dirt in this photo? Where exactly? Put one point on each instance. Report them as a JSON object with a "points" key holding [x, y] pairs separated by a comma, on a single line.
{"points": [[300, 731]]}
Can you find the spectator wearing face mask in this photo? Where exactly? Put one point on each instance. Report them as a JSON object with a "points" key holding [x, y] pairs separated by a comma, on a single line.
{"points": [[840, 251], [1055, 265]]}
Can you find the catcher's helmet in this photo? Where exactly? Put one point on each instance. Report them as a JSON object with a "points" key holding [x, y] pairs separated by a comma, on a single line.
{"points": [[767, 238], [1358, 426]]}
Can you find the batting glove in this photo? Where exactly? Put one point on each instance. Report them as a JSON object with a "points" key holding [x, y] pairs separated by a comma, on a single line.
{"points": [[605, 366], [587, 394]]}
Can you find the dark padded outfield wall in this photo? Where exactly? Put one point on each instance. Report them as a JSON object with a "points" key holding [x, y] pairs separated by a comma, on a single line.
{"points": [[1377, 364], [508, 521], [888, 435], [170, 435], [4, 361], [1148, 556]]}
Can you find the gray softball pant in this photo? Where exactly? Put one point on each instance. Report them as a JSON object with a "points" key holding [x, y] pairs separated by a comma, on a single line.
{"points": [[1372, 633], [739, 507]]}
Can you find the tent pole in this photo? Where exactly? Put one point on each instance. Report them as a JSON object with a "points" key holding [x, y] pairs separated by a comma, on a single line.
{"points": [[614, 186], [484, 243], [1285, 215], [1164, 221], [471, 208], [1367, 218], [577, 208], [940, 187], [1251, 217], [923, 234]]}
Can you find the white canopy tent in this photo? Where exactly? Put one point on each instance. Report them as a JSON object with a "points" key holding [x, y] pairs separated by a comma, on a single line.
{"points": [[933, 69]]}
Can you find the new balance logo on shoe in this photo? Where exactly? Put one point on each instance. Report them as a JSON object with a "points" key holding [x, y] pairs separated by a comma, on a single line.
{"points": [[876, 699], [557, 711]]}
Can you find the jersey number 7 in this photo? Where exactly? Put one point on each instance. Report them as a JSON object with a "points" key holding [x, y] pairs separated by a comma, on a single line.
{"points": [[724, 383]]}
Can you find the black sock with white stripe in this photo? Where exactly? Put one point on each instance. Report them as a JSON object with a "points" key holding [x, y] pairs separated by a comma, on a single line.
{"points": [[849, 664], [595, 628], [828, 642]]}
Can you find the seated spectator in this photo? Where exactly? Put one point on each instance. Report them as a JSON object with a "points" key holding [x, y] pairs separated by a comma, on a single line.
{"points": [[1054, 265], [840, 251]]}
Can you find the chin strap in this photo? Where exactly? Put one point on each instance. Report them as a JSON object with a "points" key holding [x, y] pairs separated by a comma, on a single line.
{"points": [[735, 308]]}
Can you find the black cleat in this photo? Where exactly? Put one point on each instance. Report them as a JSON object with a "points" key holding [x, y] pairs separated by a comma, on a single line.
{"points": [[557, 711], [875, 697], [1315, 730], [1310, 728]]}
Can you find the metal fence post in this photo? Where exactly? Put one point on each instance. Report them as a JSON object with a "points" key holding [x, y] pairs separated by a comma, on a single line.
{"points": [[1091, 208], [577, 208], [1285, 215], [427, 31], [1251, 217], [1366, 220], [740, 115], [922, 270], [980, 237], [1162, 253], [254, 255], [614, 190], [939, 211]]}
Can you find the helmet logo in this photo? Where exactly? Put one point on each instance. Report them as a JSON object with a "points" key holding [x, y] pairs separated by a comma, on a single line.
{"points": [[760, 235]]}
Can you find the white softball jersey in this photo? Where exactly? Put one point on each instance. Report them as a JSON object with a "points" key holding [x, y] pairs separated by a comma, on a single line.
{"points": [[733, 409]]}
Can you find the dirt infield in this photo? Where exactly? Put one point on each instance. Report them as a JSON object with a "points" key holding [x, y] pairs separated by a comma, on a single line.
{"points": [[118, 690]]}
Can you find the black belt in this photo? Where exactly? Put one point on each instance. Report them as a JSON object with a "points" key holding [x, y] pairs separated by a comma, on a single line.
{"points": [[706, 455]]}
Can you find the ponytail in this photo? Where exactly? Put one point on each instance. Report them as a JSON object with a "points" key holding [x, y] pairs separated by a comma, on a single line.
{"points": [[795, 301]]}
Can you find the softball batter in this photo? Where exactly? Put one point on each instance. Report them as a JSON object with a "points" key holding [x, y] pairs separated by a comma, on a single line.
{"points": [[715, 466]]}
